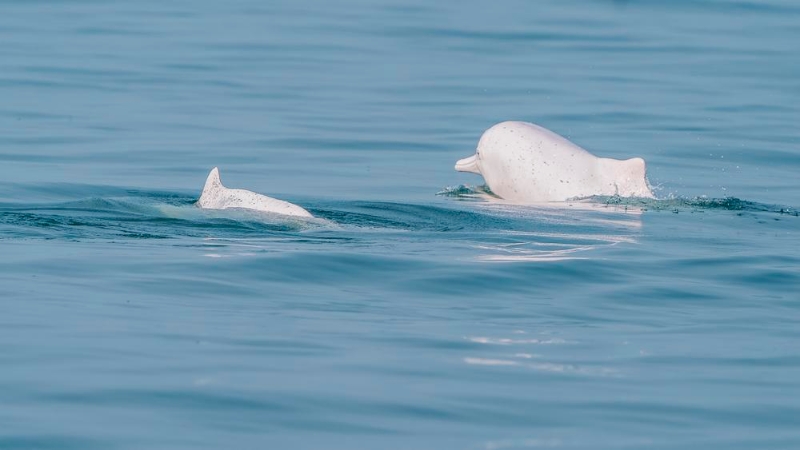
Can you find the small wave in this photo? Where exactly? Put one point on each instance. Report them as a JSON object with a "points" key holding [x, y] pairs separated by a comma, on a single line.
{"points": [[135, 218], [484, 231]]}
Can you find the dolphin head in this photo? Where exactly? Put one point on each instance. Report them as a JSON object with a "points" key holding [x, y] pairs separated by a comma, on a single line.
{"points": [[474, 164], [488, 153]]}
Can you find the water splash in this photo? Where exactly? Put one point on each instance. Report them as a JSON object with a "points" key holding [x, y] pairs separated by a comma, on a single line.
{"points": [[465, 192], [696, 204]]}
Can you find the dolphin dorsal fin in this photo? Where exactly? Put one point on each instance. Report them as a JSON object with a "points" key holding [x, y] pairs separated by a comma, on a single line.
{"points": [[631, 178], [212, 190], [635, 168], [213, 182]]}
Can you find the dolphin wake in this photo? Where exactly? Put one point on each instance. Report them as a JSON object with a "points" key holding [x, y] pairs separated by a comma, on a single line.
{"points": [[470, 221]]}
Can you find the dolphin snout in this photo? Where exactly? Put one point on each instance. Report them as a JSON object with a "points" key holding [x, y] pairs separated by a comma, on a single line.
{"points": [[468, 165]]}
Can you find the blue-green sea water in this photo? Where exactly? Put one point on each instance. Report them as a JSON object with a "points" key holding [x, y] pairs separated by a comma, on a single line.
{"points": [[416, 312]]}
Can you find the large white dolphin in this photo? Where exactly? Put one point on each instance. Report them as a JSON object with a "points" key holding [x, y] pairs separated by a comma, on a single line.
{"points": [[217, 196], [525, 163]]}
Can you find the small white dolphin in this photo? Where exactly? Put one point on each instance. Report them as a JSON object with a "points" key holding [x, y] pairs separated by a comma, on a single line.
{"points": [[525, 163], [217, 196]]}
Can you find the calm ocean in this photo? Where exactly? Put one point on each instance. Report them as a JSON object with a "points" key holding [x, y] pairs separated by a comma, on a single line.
{"points": [[412, 314]]}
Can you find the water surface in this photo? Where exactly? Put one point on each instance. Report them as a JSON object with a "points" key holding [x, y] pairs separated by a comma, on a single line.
{"points": [[415, 311]]}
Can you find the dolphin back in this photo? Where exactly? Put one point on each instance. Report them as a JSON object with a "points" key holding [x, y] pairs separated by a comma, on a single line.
{"points": [[217, 196]]}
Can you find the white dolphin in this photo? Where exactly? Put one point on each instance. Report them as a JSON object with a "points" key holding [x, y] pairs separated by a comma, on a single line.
{"points": [[525, 163], [217, 196]]}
